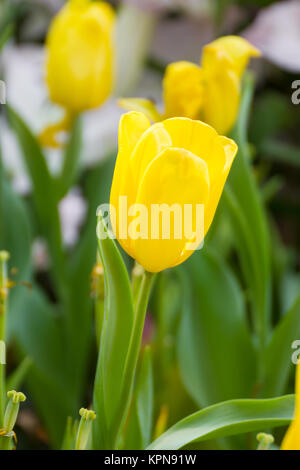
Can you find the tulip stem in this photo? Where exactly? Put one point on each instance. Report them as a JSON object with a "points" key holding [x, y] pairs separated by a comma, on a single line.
{"points": [[4, 256], [136, 337]]}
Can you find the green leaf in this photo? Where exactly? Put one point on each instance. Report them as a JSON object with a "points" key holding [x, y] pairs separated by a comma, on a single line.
{"points": [[71, 158], [137, 433], [15, 232], [272, 114], [227, 419], [120, 342], [5, 34], [80, 264], [40, 336], [70, 434], [275, 150], [115, 340], [44, 190], [15, 237], [278, 363], [215, 351], [18, 376], [253, 239], [36, 165]]}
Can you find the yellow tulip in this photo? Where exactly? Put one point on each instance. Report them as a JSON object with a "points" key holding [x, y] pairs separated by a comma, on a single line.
{"points": [[234, 50], [291, 439], [175, 162], [210, 92], [223, 63], [183, 90], [80, 58]]}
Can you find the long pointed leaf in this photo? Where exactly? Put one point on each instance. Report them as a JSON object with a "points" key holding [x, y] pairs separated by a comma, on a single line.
{"points": [[116, 336], [227, 419]]}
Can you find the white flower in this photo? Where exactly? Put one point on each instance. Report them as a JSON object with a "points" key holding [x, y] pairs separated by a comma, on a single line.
{"points": [[276, 32], [72, 210]]}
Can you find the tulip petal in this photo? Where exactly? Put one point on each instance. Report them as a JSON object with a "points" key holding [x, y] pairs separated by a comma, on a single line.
{"points": [[224, 61], [218, 152], [131, 128], [200, 139], [151, 143], [223, 148], [175, 176], [230, 147], [183, 89], [195, 136], [222, 99], [291, 439], [234, 49], [145, 106], [298, 396]]}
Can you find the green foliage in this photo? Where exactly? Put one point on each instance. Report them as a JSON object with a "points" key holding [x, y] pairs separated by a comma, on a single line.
{"points": [[227, 419], [115, 341], [138, 429], [278, 363], [120, 343], [223, 323], [214, 339], [250, 224]]}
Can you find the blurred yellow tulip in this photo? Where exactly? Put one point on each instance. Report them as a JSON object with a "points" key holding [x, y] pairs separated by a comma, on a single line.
{"points": [[210, 92], [175, 163], [79, 69], [80, 58], [223, 63], [183, 90], [291, 439]]}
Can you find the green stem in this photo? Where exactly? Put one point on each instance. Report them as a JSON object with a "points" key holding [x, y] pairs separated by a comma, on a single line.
{"points": [[72, 155], [135, 345], [5, 443], [99, 302], [137, 275], [141, 310], [4, 256]]}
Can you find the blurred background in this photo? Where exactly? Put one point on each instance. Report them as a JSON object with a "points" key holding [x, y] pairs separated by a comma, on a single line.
{"points": [[150, 34]]}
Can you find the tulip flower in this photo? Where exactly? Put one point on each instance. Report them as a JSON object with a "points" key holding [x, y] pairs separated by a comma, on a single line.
{"points": [[210, 92], [291, 439], [175, 163], [80, 59]]}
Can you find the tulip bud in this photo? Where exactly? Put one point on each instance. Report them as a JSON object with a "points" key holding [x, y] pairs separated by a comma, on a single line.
{"points": [[210, 92], [79, 61], [80, 55]]}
